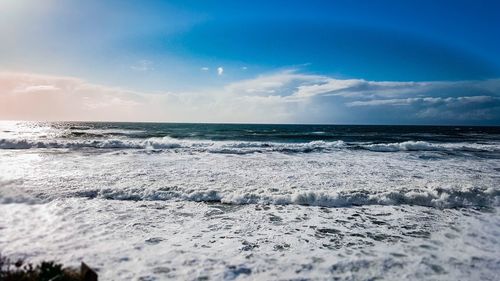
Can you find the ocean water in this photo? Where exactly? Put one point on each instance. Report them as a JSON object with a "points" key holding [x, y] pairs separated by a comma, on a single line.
{"points": [[151, 201]]}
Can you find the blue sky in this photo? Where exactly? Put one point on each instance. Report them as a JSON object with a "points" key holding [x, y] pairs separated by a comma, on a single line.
{"points": [[201, 51]]}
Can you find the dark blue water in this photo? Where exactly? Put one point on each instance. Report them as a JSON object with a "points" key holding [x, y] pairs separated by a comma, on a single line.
{"points": [[285, 133]]}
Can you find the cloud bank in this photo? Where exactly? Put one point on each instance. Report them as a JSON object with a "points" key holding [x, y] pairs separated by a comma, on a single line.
{"points": [[282, 97]]}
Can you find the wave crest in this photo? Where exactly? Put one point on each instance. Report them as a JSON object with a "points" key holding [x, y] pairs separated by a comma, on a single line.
{"points": [[242, 147], [439, 198]]}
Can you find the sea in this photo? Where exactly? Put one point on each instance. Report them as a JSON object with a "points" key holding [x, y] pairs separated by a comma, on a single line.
{"points": [[159, 201]]}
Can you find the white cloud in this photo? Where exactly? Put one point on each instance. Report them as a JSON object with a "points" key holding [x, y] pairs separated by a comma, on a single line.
{"points": [[35, 88], [220, 70], [285, 96], [204, 68], [143, 65], [449, 101], [284, 84]]}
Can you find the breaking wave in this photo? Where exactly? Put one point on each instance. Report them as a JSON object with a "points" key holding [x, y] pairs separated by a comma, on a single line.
{"points": [[439, 198], [427, 146], [230, 147], [242, 147]]}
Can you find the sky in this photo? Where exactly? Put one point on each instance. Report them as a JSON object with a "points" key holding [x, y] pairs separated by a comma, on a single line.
{"points": [[335, 62]]}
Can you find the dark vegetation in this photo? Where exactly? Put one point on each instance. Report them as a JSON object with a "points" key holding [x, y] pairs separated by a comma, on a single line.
{"points": [[45, 271]]}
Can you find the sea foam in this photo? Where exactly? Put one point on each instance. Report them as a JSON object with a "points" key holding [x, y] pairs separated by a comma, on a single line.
{"points": [[439, 198], [241, 147]]}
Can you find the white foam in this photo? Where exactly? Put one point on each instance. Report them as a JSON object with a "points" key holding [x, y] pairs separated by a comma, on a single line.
{"points": [[427, 146], [240, 147], [127, 240], [234, 209], [344, 178], [440, 198], [171, 143]]}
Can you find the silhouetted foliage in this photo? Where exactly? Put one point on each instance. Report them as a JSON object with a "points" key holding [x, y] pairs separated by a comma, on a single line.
{"points": [[45, 271]]}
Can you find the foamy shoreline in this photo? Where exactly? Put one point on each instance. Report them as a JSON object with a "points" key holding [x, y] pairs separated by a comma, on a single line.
{"points": [[189, 240]]}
